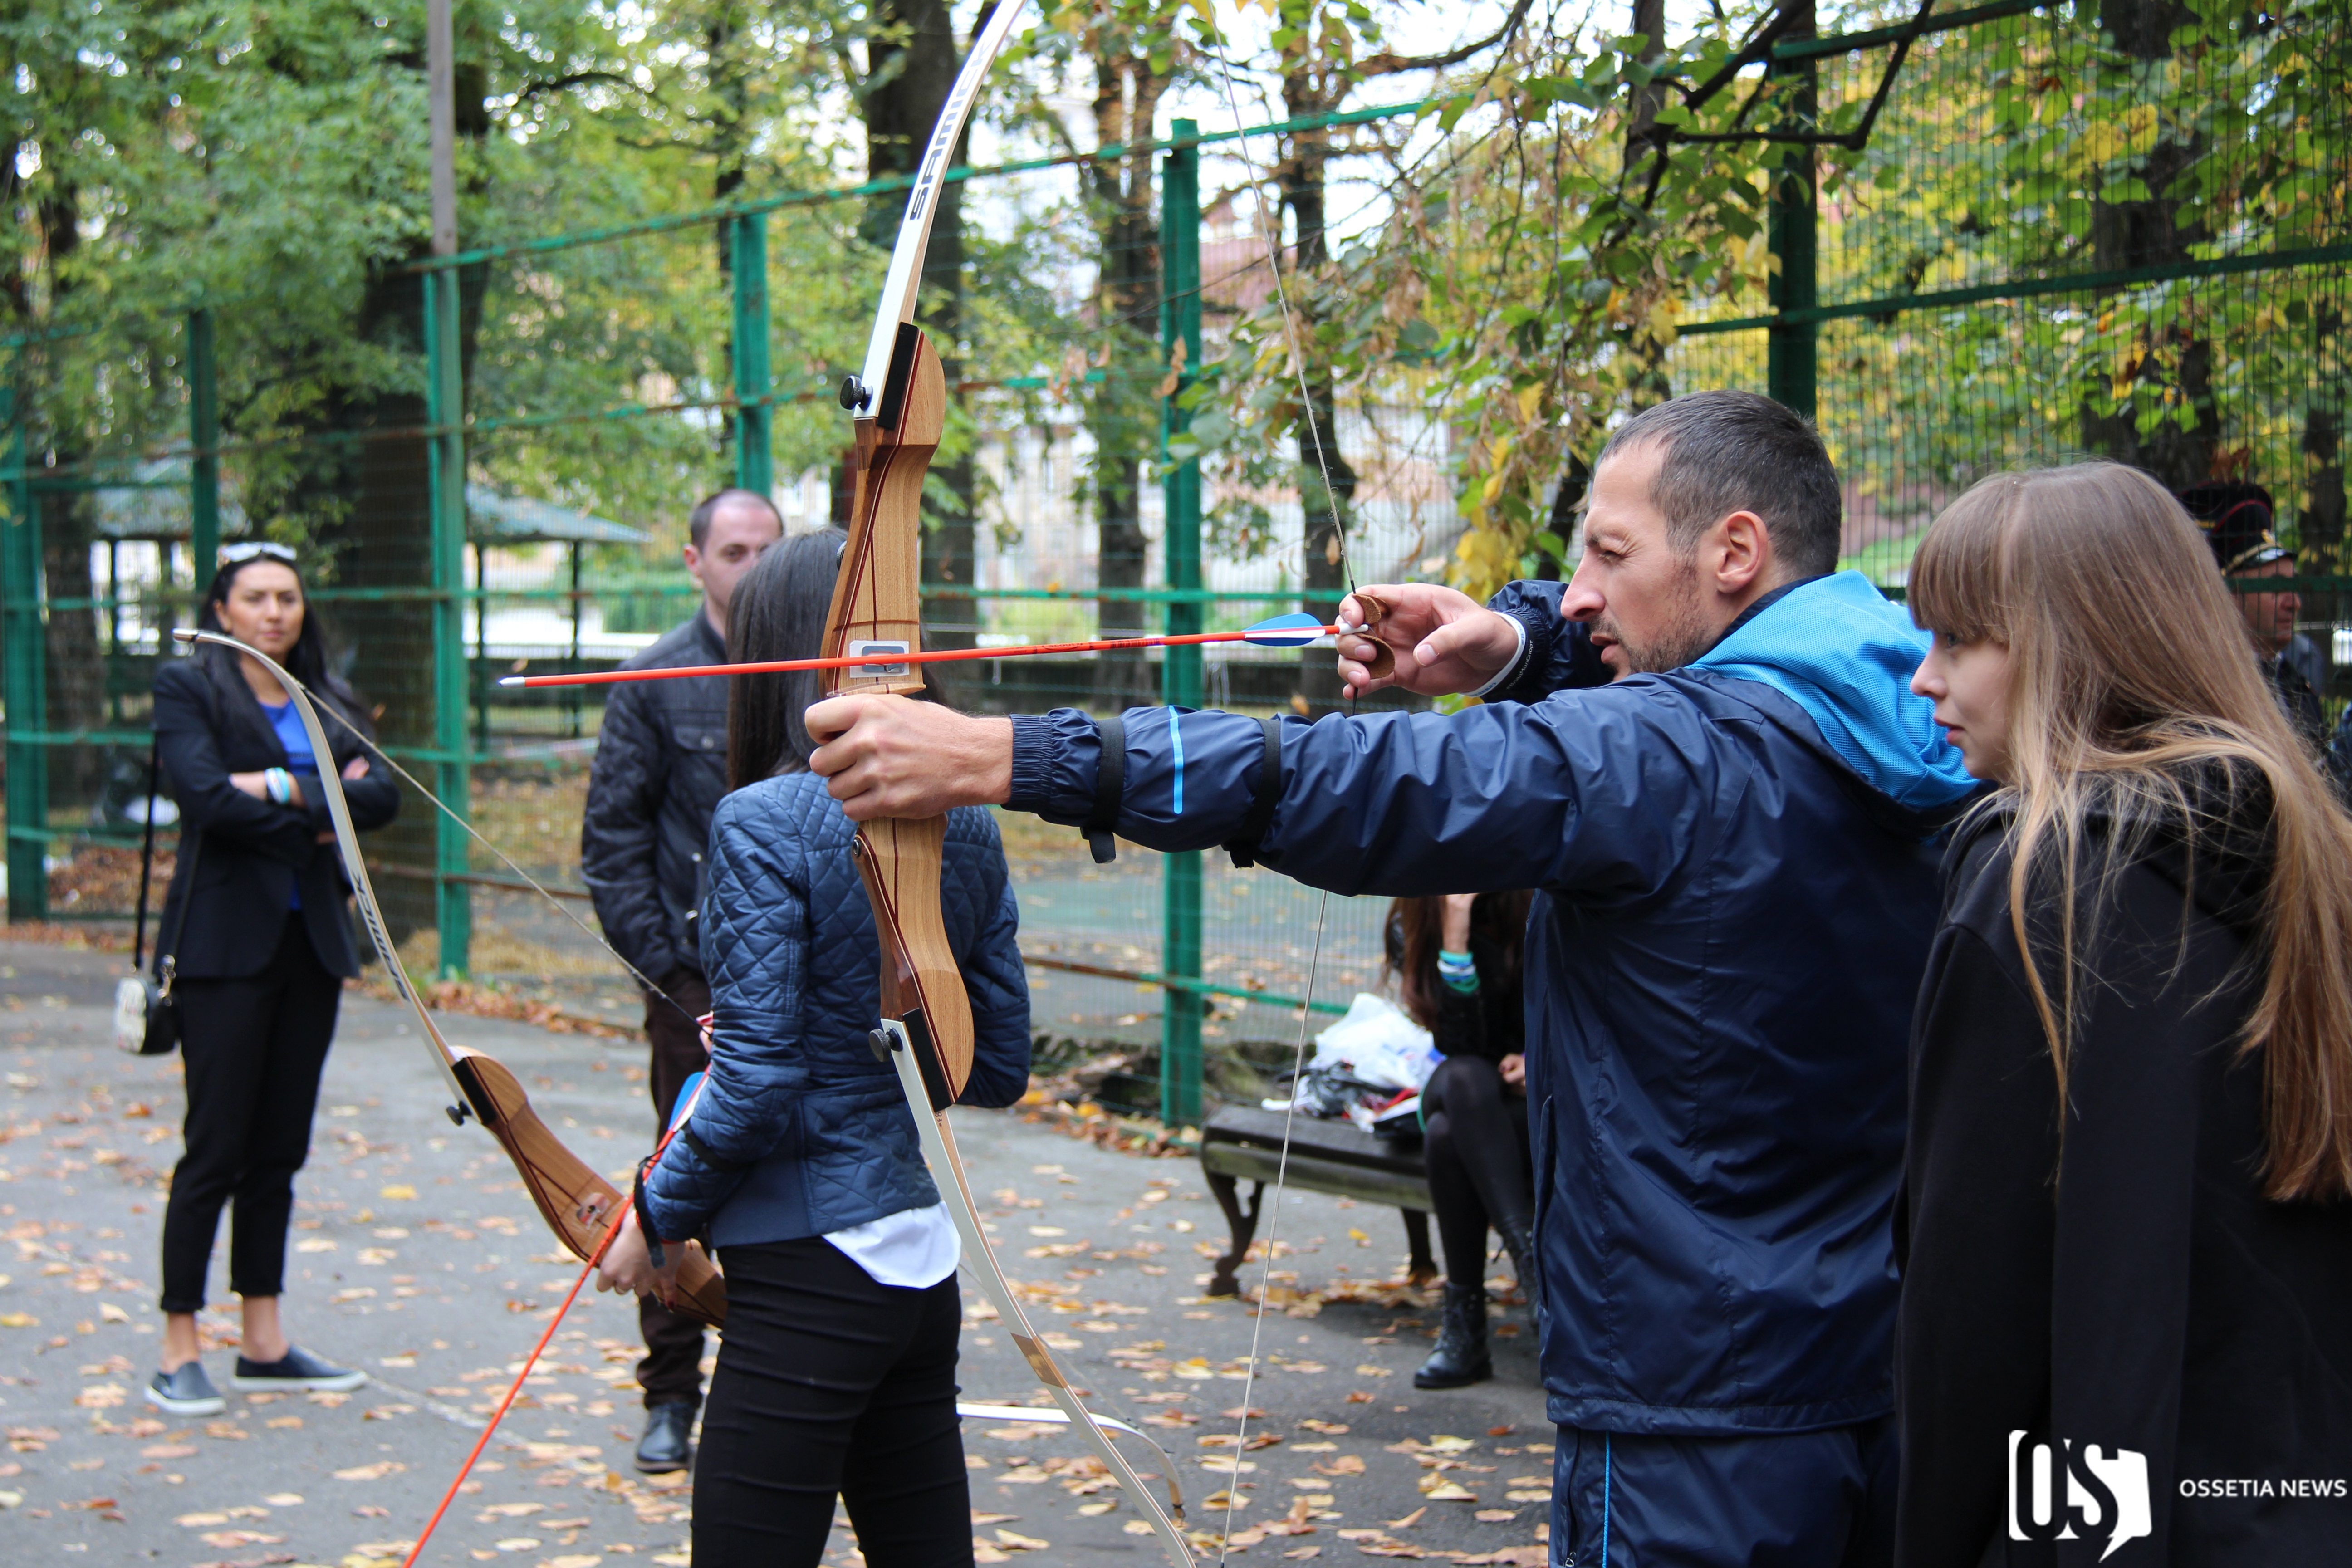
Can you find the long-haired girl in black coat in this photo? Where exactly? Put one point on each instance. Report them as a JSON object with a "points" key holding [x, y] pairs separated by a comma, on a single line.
{"points": [[2126, 1332]]}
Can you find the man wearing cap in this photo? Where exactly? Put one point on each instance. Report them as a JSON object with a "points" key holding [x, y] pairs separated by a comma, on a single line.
{"points": [[2237, 519]]}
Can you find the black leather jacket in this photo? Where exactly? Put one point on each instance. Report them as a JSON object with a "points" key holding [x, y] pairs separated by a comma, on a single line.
{"points": [[660, 770], [248, 855]]}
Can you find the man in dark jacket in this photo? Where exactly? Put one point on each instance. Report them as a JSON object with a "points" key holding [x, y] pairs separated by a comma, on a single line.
{"points": [[661, 768], [1738, 890]]}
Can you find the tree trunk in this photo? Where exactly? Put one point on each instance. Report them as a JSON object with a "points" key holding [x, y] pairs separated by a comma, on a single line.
{"points": [[1120, 411], [1648, 385], [2146, 234], [369, 503], [76, 683], [729, 114], [1327, 484]]}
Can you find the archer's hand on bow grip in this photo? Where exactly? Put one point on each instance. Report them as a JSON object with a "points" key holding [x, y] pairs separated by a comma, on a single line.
{"points": [[893, 757]]}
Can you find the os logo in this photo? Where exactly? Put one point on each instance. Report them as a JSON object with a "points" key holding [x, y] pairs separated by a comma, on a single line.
{"points": [[2103, 1493]]}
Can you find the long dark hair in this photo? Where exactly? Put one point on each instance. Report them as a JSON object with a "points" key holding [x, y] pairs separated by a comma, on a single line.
{"points": [[778, 612], [310, 661], [1413, 929]]}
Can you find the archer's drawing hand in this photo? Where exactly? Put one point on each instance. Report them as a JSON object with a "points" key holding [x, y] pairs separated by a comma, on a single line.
{"points": [[628, 1267], [1445, 641], [891, 757]]}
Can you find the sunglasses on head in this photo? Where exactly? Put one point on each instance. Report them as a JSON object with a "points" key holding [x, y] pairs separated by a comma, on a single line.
{"points": [[237, 554]]}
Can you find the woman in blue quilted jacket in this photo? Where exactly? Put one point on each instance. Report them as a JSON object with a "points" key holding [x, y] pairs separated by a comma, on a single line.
{"points": [[798, 1163]]}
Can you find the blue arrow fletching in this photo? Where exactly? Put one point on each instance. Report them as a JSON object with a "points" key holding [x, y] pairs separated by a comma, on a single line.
{"points": [[1284, 631]]}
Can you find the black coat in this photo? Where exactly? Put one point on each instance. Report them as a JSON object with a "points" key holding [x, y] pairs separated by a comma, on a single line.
{"points": [[253, 853], [2133, 1288], [660, 770]]}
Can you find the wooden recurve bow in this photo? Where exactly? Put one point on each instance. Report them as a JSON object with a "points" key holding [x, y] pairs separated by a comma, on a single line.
{"points": [[576, 1202], [900, 402]]}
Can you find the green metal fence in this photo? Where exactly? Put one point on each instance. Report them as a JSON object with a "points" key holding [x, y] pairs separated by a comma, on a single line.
{"points": [[1959, 295]]}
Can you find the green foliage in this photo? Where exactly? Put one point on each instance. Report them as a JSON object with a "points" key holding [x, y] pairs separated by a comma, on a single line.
{"points": [[1534, 287]]}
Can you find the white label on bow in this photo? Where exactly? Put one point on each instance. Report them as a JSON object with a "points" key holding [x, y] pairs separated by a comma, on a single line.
{"points": [[876, 672]]}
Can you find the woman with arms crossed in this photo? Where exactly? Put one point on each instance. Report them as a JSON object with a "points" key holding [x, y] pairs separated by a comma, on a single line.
{"points": [[2127, 1252], [1457, 960], [262, 944], [836, 1376]]}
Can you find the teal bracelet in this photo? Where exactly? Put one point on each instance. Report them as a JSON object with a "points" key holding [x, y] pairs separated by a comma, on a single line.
{"points": [[1458, 970]]}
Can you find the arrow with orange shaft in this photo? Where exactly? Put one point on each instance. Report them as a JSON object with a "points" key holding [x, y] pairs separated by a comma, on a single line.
{"points": [[1294, 630]]}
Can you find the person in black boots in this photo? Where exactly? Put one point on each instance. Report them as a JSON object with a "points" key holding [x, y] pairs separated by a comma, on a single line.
{"points": [[836, 1379], [660, 768], [1457, 960], [255, 943]]}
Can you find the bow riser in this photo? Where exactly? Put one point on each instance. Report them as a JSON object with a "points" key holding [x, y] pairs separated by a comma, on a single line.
{"points": [[878, 599], [878, 596], [576, 1203]]}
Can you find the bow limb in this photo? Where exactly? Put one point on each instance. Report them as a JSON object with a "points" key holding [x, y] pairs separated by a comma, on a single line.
{"points": [[577, 1203], [947, 1170]]}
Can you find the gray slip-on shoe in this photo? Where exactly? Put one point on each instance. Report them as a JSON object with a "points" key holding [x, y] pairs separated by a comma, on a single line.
{"points": [[297, 1372], [185, 1390]]}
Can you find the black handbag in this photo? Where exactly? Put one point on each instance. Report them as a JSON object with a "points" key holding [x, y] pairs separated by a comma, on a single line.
{"points": [[146, 1018]]}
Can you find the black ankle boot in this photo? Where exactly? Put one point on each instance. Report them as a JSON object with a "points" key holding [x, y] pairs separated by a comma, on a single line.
{"points": [[1519, 1241], [666, 1447], [1460, 1358]]}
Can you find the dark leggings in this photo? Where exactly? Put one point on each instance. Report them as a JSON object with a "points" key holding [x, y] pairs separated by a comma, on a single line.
{"points": [[829, 1385], [1474, 1141], [254, 1049]]}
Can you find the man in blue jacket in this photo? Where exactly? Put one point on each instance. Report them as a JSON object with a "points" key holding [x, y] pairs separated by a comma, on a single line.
{"points": [[1704, 752]]}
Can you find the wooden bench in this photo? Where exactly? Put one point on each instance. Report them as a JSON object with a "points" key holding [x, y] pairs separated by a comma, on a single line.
{"points": [[1240, 1143]]}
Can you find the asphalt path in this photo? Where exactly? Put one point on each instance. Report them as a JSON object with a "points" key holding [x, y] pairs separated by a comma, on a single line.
{"points": [[416, 1256]]}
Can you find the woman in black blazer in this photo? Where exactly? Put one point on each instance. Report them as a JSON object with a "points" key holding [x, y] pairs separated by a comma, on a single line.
{"points": [[263, 946]]}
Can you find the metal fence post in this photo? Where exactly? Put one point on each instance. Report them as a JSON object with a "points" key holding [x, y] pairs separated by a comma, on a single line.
{"points": [[1791, 347], [755, 416], [1179, 670], [203, 443], [26, 805], [445, 412]]}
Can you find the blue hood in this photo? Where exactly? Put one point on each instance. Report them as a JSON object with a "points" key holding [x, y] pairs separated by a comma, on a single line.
{"points": [[1844, 652]]}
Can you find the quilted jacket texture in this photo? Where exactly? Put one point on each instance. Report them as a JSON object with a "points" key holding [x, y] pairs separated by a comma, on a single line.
{"points": [[661, 766], [814, 1133]]}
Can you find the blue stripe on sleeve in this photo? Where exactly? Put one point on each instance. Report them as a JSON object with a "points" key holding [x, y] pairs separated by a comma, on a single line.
{"points": [[1176, 746]]}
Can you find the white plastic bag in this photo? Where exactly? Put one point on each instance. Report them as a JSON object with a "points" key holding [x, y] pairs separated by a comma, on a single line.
{"points": [[1379, 1044]]}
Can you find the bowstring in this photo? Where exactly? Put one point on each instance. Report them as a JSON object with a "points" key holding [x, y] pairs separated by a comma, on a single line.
{"points": [[1270, 229], [505, 859]]}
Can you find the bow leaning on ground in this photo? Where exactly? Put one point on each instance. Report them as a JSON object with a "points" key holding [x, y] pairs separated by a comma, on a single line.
{"points": [[577, 1204], [900, 402]]}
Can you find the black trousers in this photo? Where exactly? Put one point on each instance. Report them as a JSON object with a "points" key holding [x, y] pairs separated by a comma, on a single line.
{"points": [[1474, 1145], [829, 1385], [671, 1372], [254, 1049]]}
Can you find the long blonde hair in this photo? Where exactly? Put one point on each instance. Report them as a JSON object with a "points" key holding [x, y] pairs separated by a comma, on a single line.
{"points": [[2136, 695]]}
